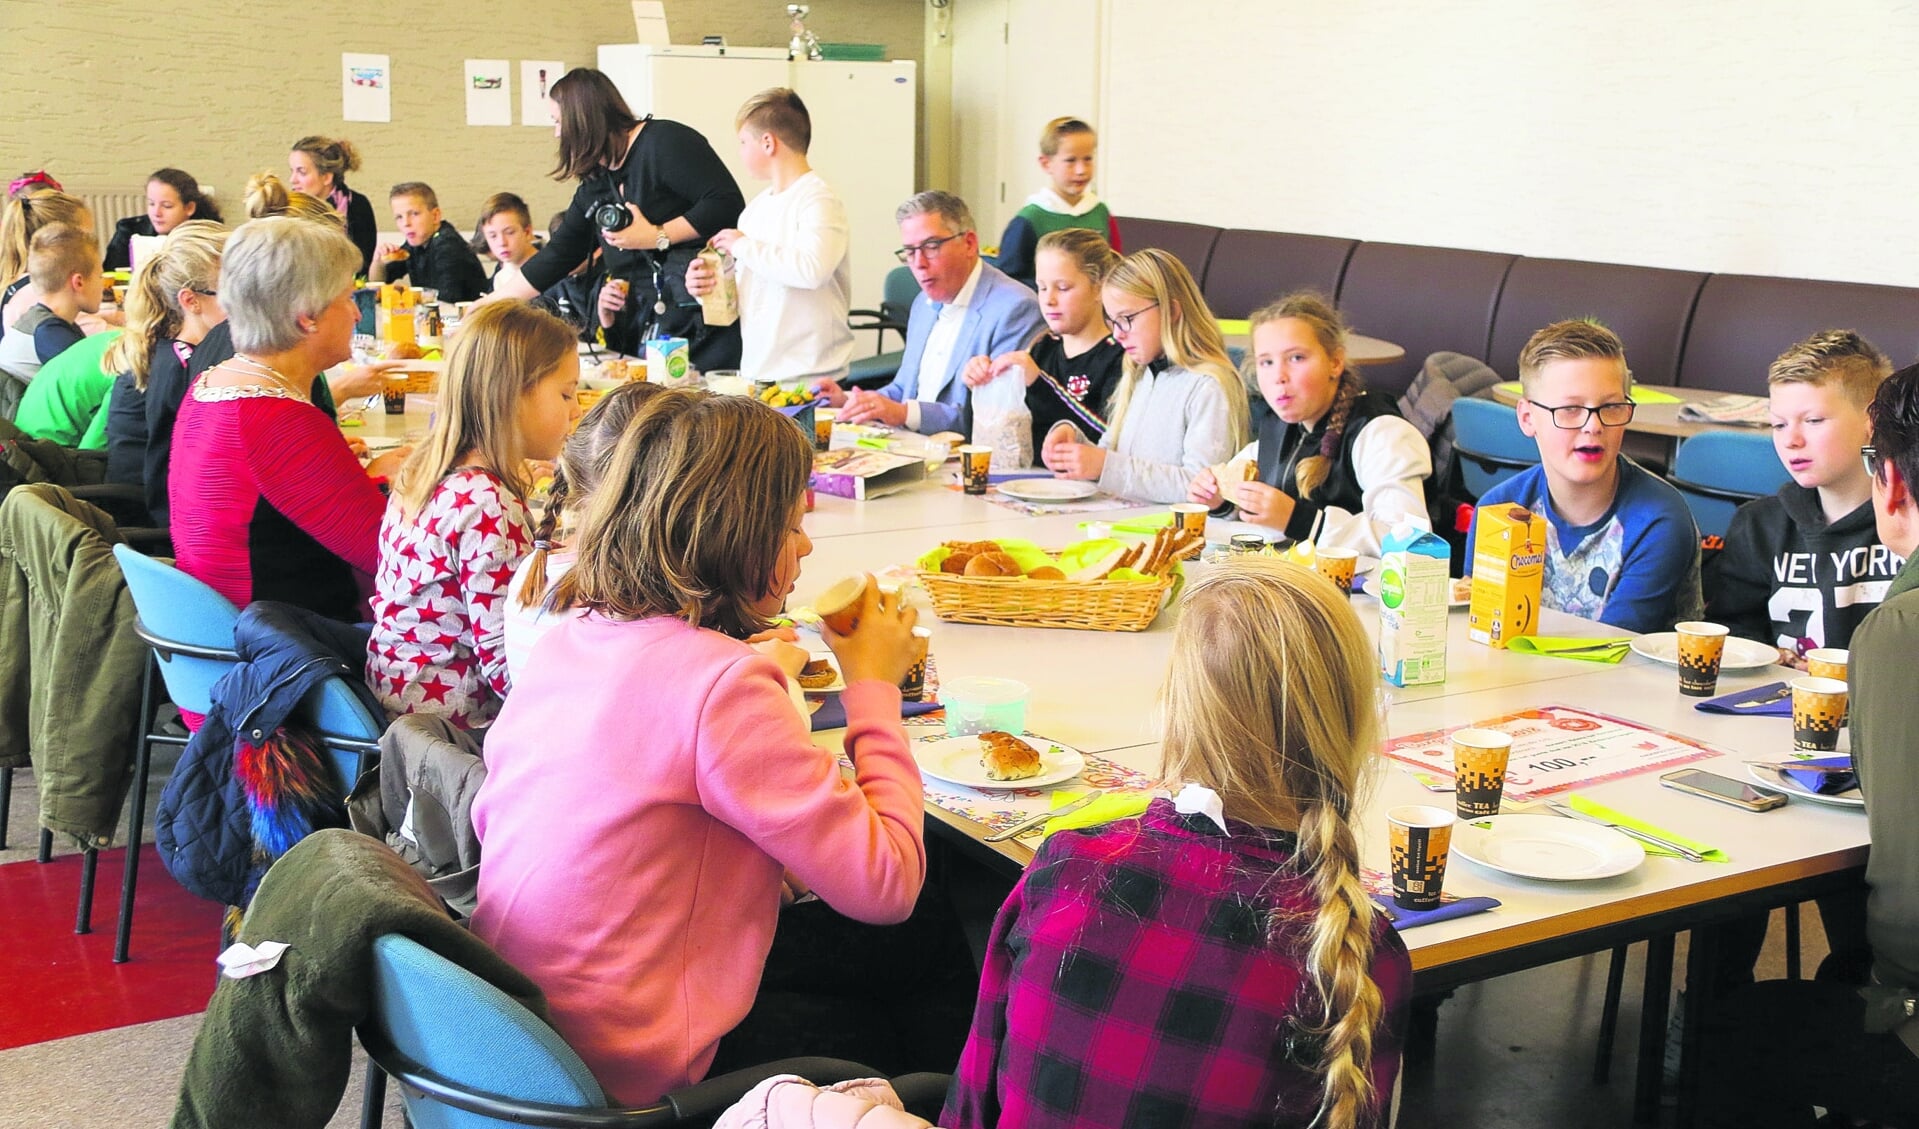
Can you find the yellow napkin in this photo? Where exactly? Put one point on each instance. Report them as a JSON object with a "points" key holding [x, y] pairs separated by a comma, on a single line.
{"points": [[1234, 327], [1568, 647], [1108, 808], [1144, 526], [1582, 804]]}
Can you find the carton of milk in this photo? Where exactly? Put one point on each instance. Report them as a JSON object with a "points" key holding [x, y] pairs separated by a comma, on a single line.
{"points": [[1415, 583], [1509, 566], [668, 361]]}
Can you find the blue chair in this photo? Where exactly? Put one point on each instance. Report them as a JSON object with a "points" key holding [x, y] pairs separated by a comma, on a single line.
{"points": [[1717, 471], [895, 304], [468, 1056], [189, 628], [1489, 444]]}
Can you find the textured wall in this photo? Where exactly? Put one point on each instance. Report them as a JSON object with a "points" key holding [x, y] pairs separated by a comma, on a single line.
{"points": [[1764, 136], [102, 92]]}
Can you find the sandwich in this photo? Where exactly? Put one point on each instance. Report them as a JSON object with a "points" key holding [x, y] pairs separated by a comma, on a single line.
{"points": [[1006, 757], [817, 674]]}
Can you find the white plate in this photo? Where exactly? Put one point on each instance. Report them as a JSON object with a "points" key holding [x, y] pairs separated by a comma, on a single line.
{"points": [[1780, 782], [1047, 489], [1741, 654], [833, 687], [956, 761], [1548, 847]]}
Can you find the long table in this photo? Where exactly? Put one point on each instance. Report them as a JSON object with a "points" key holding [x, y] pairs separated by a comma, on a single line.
{"points": [[1098, 691]]}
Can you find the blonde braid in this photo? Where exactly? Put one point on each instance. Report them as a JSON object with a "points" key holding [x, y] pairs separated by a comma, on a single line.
{"points": [[1340, 962], [533, 589], [1314, 471]]}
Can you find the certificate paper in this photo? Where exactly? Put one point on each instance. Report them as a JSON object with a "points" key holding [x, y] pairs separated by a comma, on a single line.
{"points": [[365, 88], [1556, 748], [489, 95]]}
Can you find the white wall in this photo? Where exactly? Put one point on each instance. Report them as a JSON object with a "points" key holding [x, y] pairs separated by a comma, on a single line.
{"points": [[1762, 136]]}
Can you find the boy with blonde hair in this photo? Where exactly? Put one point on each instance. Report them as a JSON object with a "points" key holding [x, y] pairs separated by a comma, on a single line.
{"points": [[63, 264], [790, 252], [432, 253], [1803, 567], [1621, 547], [1066, 155]]}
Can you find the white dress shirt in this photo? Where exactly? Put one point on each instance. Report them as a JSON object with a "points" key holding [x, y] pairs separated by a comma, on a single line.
{"points": [[936, 361]]}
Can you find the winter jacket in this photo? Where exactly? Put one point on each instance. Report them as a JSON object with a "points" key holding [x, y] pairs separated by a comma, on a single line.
{"points": [[249, 786], [282, 1040], [421, 804], [787, 1101], [25, 459], [1789, 579], [70, 663]]}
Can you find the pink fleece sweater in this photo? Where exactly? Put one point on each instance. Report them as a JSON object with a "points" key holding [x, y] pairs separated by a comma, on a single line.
{"points": [[646, 784]]}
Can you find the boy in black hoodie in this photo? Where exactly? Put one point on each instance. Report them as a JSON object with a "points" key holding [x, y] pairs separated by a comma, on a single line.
{"points": [[434, 255], [1802, 568]]}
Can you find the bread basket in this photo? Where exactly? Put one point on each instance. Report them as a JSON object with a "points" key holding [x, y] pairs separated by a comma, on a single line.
{"points": [[1021, 601]]}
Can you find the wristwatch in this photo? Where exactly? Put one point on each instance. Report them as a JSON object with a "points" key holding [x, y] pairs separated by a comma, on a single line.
{"points": [[664, 242]]}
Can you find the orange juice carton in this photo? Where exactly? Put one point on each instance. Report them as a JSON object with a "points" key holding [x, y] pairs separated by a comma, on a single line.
{"points": [[1414, 588], [1509, 567]]}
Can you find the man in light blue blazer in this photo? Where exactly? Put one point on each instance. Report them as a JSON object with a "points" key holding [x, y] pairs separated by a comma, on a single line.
{"points": [[966, 309]]}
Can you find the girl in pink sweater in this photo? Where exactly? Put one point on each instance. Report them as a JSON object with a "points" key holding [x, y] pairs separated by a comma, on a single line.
{"points": [[648, 782]]}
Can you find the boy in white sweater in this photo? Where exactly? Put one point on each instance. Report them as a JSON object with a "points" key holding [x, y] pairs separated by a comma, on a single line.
{"points": [[790, 252]]}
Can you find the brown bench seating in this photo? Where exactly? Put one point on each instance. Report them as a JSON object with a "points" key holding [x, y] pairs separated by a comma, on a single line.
{"points": [[1716, 331]]}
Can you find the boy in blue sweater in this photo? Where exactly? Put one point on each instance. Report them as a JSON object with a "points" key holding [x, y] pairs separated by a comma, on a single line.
{"points": [[1621, 547]]}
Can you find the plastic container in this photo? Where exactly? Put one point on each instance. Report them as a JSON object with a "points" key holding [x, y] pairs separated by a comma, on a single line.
{"points": [[854, 52], [976, 705]]}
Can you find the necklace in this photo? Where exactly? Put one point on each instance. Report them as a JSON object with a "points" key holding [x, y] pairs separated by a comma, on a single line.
{"points": [[262, 369]]}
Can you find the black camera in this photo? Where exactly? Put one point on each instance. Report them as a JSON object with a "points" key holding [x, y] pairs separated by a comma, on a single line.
{"points": [[612, 216]]}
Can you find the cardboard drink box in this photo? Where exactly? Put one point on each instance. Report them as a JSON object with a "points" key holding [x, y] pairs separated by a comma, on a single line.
{"points": [[1509, 566], [1415, 584], [859, 473]]}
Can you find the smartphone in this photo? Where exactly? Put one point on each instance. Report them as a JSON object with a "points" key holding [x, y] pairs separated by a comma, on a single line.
{"points": [[1724, 789]]}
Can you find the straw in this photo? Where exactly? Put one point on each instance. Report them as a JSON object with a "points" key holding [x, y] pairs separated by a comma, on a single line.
{"points": [[1312, 535]]}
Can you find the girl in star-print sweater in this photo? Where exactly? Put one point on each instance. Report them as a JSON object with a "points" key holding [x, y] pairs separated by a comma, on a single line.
{"points": [[456, 525]]}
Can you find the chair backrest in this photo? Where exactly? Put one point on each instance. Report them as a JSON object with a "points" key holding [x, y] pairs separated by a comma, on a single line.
{"points": [[1425, 299], [339, 712], [453, 1025], [1490, 446], [180, 609], [1190, 243], [896, 298], [1251, 268], [1647, 307], [1718, 470]]}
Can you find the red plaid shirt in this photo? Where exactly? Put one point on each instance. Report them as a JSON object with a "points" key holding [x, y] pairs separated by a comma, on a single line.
{"points": [[1131, 980]]}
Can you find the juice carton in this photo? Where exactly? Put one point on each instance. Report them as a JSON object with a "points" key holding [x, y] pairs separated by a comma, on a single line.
{"points": [[1509, 565], [668, 360], [1414, 585]]}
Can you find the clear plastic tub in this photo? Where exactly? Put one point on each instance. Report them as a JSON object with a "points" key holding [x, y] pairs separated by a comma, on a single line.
{"points": [[976, 705]]}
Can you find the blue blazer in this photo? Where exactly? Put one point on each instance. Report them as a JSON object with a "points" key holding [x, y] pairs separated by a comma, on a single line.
{"points": [[1003, 317]]}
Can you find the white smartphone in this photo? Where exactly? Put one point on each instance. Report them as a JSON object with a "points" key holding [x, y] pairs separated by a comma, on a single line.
{"points": [[1726, 790]]}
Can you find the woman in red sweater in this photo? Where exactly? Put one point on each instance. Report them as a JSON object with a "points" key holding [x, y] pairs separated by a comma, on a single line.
{"points": [[268, 502]]}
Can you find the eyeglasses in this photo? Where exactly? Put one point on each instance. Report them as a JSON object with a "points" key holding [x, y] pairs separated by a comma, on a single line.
{"points": [[1869, 455], [1124, 322], [204, 293], [1573, 417], [926, 250]]}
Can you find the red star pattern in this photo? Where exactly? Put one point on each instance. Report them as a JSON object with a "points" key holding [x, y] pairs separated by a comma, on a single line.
{"points": [[438, 638]]}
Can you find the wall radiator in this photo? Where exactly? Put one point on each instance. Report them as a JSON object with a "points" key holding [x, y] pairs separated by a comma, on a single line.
{"points": [[109, 208]]}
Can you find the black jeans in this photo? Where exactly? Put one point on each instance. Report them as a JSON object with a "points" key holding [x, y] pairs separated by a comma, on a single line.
{"points": [[1774, 1050]]}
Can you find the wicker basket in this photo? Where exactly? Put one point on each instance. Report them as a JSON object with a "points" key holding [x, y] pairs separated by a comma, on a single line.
{"points": [[1017, 601], [422, 380]]}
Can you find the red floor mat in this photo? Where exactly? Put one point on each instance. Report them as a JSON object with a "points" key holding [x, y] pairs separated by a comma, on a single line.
{"points": [[55, 983]]}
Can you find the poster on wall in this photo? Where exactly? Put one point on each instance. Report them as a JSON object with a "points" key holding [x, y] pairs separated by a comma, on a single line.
{"points": [[365, 88], [489, 96], [537, 76]]}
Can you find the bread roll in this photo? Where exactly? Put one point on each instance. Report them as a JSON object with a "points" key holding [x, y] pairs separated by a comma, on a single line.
{"points": [[404, 351], [1046, 572], [1006, 757], [817, 674], [956, 562], [992, 564]]}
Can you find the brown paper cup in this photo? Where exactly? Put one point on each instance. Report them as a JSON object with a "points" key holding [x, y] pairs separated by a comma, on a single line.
{"points": [[1818, 710], [1422, 838], [839, 607], [913, 686], [393, 394], [1828, 662], [1479, 771], [1701, 646], [823, 427], [976, 463], [1338, 566], [1190, 517]]}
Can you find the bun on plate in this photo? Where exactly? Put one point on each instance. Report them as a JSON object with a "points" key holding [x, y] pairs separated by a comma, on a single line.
{"points": [[1006, 757], [992, 564], [817, 674]]}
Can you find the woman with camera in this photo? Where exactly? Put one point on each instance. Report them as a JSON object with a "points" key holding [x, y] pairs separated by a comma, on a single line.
{"points": [[651, 193]]}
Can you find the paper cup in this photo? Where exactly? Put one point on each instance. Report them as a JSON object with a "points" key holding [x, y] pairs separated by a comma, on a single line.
{"points": [[1479, 771], [1191, 517], [823, 428], [839, 606], [1828, 662], [1818, 710], [1701, 645], [1422, 838], [913, 686], [1338, 566], [976, 463], [393, 394]]}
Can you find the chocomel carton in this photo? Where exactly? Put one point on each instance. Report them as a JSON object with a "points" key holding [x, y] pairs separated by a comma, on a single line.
{"points": [[1509, 564], [1414, 583]]}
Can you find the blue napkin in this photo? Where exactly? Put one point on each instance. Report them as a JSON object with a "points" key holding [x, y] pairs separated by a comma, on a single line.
{"points": [[1016, 475], [1771, 700], [1826, 783], [832, 713], [1404, 919]]}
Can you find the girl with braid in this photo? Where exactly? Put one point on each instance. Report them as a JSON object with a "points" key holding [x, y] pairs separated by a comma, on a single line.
{"points": [[1216, 960], [1322, 444]]}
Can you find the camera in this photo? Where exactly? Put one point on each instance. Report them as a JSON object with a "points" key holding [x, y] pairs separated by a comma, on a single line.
{"points": [[612, 216]]}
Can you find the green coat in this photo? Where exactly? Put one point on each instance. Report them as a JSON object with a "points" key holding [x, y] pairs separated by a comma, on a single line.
{"points": [[67, 399], [70, 664]]}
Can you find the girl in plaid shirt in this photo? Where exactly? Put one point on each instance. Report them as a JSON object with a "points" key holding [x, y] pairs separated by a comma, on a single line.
{"points": [[1217, 970]]}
